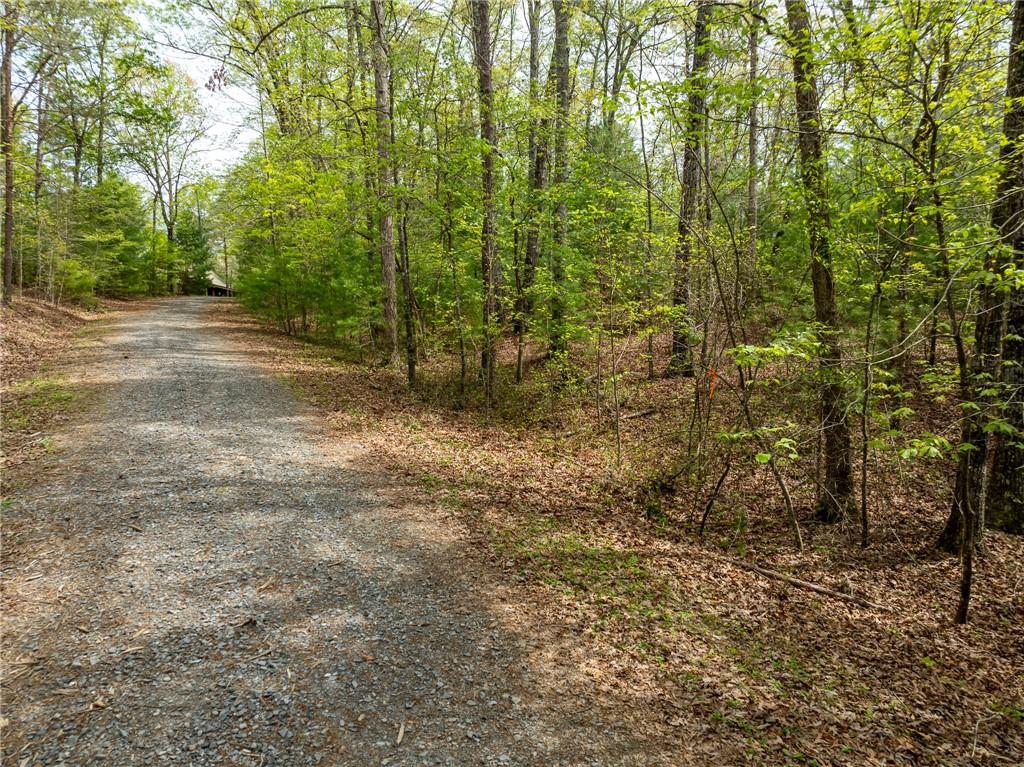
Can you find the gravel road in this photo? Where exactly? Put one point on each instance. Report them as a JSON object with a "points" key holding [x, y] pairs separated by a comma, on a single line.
{"points": [[200, 576]]}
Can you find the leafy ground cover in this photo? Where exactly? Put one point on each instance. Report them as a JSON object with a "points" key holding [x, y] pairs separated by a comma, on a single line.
{"points": [[676, 623]]}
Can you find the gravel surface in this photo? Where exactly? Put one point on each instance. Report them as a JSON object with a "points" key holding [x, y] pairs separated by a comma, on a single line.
{"points": [[200, 576]]}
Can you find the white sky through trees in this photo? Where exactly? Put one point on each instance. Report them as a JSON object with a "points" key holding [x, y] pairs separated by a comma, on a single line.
{"points": [[229, 109]]}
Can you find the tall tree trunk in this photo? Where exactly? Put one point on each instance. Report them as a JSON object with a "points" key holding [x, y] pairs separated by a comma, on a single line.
{"points": [[7, 145], [560, 174], [482, 46], [752, 165], [537, 156], [362, 67], [837, 482], [77, 154], [1005, 497], [385, 190], [972, 500], [409, 303], [37, 168], [37, 176], [101, 106], [681, 360], [649, 229]]}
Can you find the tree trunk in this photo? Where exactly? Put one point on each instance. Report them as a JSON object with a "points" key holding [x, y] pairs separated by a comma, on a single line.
{"points": [[837, 483], [385, 190], [101, 106], [537, 155], [1005, 501], [409, 302], [649, 230], [482, 46], [752, 165], [560, 61], [999, 504], [37, 176], [41, 128], [410, 298], [1005, 498], [681, 360], [7, 146]]}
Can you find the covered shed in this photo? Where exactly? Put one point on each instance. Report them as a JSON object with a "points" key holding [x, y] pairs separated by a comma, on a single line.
{"points": [[217, 286]]}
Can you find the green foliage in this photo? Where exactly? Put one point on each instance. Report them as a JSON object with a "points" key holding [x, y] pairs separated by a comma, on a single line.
{"points": [[110, 236], [927, 446], [800, 345], [75, 279], [102, 115], [192, 246], [912, 98]]}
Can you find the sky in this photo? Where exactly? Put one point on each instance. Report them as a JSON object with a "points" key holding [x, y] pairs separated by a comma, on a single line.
{"points": [[229, 110]]}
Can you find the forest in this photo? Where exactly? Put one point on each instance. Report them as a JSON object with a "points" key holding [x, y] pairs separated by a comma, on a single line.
{"points": [[760, 263]]}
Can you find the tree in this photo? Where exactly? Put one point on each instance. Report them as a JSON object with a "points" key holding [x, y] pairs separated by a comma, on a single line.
{"points": [[7, 142], [566, 175], [109, 236], [196, 254], [160, 136], [968, 511], [385, 177], [537, 153], [560, 174], [480, 10], [1005, 499], [837, 481], [681, 360]]}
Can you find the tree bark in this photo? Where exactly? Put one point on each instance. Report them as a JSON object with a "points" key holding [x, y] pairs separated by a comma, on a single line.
{"points": [[385, 189], [537, 156], [973, 503], [681, 360], [1005, 498], [482, 46], [837, 483], [409, 303], [560, 173], [752, 164], [101, 102], [7, 146]]}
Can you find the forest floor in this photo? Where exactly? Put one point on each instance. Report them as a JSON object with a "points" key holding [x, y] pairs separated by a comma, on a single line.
{"points": [[208, 569], [40, 342], [726, 665]]}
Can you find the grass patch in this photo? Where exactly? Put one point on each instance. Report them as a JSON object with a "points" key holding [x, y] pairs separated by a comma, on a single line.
{"points": [[617, 584], [35, 401]]}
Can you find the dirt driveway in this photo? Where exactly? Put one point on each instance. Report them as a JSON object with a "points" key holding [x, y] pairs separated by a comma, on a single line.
{"points": [[199, 575]]}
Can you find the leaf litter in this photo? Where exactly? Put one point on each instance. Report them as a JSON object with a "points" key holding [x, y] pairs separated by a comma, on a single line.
{"points": [[664, 623]]}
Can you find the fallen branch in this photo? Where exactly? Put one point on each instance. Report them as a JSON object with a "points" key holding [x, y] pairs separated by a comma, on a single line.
{"points": [[816, 588], [638, 414], [604, 426]]}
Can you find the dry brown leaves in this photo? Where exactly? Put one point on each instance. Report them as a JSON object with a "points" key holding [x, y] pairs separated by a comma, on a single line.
{"points": [[736, 667], [40, 341]]}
